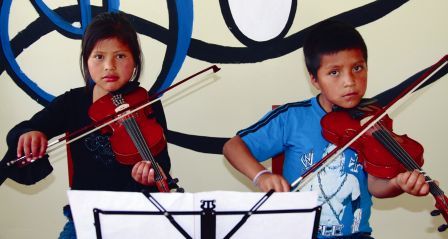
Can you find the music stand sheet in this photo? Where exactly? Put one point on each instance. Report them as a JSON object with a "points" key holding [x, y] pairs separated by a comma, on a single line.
{"points": [[119, 223]]}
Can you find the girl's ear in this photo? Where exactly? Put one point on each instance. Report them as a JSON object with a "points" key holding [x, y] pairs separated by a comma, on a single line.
{"points": [[133, 74]]}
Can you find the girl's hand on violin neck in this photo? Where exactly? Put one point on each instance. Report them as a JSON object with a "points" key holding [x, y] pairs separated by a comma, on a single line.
{"points": [[143, 173], [269, 181], [413, 183], [33, 145]]}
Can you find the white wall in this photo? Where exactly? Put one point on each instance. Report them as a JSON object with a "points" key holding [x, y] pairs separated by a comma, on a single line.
{"points": [[400, 44]]}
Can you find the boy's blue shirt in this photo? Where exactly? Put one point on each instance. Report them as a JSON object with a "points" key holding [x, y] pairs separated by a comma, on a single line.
{"points": [[294, 129]]}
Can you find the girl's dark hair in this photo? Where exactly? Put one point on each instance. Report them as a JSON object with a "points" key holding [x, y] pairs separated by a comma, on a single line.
{"points": [[110, 25], [328, 37]]}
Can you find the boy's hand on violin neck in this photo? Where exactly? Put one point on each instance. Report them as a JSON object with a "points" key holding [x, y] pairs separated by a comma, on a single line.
{"points": [[412, 182], [269, 181]]}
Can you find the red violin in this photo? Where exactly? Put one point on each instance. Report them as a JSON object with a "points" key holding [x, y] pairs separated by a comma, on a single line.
{"points": [[142, 133], [382, 153], [134, 137]]}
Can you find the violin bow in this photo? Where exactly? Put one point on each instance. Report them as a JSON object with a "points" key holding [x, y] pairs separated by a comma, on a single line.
{"points": [[109, 120]]}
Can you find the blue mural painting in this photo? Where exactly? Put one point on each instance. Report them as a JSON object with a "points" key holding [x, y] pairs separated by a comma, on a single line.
{"points": [[179, 44]]}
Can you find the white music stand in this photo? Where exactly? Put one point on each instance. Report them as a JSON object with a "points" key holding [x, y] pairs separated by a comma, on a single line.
{"points": [[217, 214]]}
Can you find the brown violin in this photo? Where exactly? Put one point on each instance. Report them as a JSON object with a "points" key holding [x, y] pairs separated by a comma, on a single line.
{"points": [[134, 137], [145, 134], [382, 153]]}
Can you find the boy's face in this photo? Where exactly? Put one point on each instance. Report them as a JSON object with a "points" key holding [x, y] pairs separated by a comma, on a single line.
{"points": [[341, 79]]}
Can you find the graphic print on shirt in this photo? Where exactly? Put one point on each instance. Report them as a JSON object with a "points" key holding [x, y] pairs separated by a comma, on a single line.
{"points": [[338, 194], [100, 146], [307, 160], [354, 165]]}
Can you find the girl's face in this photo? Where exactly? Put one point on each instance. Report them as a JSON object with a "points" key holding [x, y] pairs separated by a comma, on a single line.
{"points": [[341, 79], [111, 65]]}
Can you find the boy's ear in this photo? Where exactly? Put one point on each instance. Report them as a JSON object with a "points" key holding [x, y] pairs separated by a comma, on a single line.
{"points": [[314, 82]]}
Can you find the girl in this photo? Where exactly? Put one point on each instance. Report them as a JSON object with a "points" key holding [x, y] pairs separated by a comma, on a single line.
{"points": [[111, 62]]}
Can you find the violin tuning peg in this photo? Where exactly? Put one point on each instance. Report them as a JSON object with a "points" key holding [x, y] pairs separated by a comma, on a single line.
{"points": [[435, 213], [442, 228]]}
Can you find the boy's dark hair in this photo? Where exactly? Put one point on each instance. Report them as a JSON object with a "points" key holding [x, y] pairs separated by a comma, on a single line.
{"points": [[328, 37], [110, 25]]}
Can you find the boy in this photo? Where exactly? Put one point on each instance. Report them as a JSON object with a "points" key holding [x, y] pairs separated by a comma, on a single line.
{"points": [[336, 59]]}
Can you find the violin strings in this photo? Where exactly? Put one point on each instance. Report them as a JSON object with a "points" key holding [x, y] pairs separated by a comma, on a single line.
{"points": [[142, 146], [146, 151], [383, 135], [398, 151], [137, 138], [139, 141], [134, 132], [390, 143], [386, 139]]}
